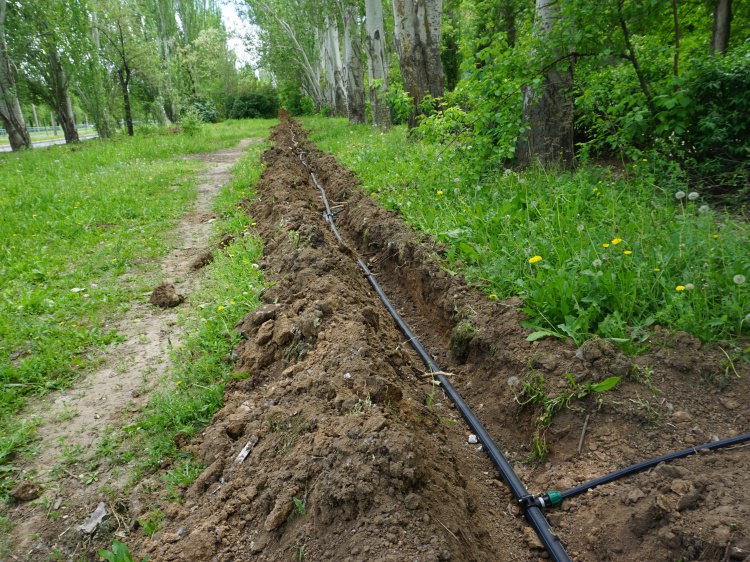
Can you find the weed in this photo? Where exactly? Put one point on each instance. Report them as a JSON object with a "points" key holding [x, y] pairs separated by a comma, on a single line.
{"points": [[119, 553], [361, 406], [152, 522], [532, 392], [299, 505], [298, 552], [180, 477]]}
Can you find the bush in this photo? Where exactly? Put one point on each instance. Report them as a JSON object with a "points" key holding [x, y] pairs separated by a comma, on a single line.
{"points": [[190, 122], [256, 101], [206, 110]]}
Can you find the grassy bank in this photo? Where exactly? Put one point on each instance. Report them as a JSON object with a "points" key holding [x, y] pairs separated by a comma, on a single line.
{"points": [[74, 220], [597, 251]]}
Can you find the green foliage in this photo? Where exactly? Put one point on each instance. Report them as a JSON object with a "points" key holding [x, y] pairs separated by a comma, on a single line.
{"points": [[152, 522], [119, 553], [400, 103], [533, 392], [206, 110], [191, 122], [615, 246], [258, 101]]}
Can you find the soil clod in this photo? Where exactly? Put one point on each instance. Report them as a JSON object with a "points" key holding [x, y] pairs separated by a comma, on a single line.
{"points": [[166, 296]]}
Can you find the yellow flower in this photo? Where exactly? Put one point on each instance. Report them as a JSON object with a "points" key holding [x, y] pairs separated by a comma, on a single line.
{"points": [[605, 245], [535, 259], [627, 252], [178, 383], [657, 270], [231, 302], [253, 223], [439, 191], [616, 241], [715, 236], [492, 296], [220, 308], [679, 288]]}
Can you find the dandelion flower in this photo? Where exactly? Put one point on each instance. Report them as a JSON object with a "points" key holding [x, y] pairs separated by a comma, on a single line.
{"points": [[689, 286], [628, 252], [178, 383], [657, 270], [535, 259], [693, 195], [703, 209], [220, 308], [738, 279], [253, 223], [597, 263], [492, 296], [679, 195], [616, 241], [580, 228], [439, 192], [679, 288], [605, 245]]}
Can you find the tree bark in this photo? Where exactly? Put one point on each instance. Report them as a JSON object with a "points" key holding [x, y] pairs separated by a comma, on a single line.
{"points": [[634, 59], [722, 26], [60, 98], [377, 65], [548, 114], [124, 76], [10, 109], [355, 88], [334, 67], [417, 39]]}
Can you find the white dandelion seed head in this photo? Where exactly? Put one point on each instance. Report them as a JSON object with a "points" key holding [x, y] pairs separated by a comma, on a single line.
{"points": [[738, 279], [679, 195], [597, 263], [747, 317], [693, 195], [689, 286], [580, 228], [704, 209]]}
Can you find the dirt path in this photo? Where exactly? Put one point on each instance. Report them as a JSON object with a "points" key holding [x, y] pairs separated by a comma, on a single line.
{"points": [[338, 447], [73, 422]]}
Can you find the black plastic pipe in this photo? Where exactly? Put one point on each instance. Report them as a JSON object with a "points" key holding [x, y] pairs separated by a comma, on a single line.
{"points": [[553, 499], [531, 509]]}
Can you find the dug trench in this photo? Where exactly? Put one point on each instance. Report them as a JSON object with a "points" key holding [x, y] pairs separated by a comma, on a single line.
{"points": [[339, 446]]}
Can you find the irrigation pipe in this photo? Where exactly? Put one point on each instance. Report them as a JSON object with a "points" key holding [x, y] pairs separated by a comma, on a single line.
{"points": [[554, 499], [531, 509]]}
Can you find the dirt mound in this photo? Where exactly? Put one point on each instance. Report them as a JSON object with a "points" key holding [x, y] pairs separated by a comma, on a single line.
{"points": [[339, 447], [166, 296]]}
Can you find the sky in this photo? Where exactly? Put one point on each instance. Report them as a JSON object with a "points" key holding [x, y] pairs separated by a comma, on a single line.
{"points": [[238, 28]]}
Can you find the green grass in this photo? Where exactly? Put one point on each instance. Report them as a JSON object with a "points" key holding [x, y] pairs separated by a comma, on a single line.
{"points": [[194, 390], [74, 220], [619, 252]]}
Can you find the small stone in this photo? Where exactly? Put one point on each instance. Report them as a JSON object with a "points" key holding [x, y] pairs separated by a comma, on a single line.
{"points": [[532, 540], [633, 496], [729, 403], [412, 502], [473, 440], [90, 526], [681, 417]]}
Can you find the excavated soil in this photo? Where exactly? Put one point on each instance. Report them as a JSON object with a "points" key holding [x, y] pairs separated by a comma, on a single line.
{"points": [[339, 447]]}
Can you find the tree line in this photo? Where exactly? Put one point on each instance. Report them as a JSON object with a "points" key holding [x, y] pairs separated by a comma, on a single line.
{"points": [[109, 61], [528, 80]]}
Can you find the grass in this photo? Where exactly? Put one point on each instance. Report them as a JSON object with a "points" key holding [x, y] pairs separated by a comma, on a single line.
{"points": [[194, 389], [595, 251], [75, 219]]}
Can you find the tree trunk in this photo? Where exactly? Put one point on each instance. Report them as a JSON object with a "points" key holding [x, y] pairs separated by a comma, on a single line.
{"points": [[335, 71], [124, 75], [377, 65], [354, 78], [417, 31], [10, 109], [547, 113], [59, 98], [722, 24]]}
